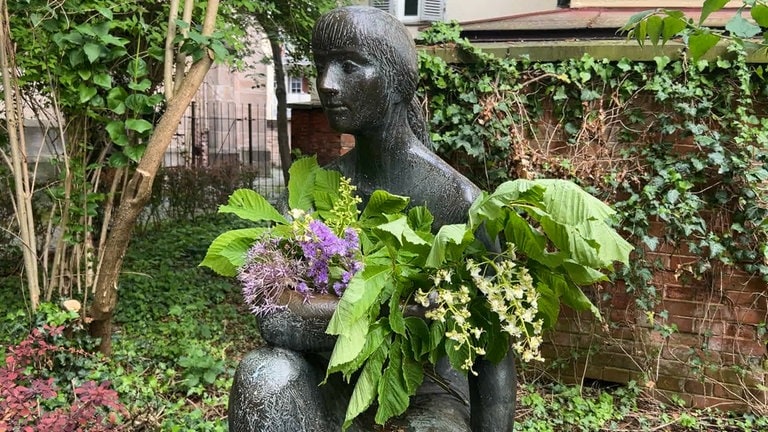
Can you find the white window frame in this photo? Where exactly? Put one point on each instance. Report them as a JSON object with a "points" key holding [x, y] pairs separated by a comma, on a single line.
{"points": [[294, 80], [429, 10]]}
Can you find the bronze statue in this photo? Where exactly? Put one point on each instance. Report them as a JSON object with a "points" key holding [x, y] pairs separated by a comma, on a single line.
{"points": [[367, 76]]}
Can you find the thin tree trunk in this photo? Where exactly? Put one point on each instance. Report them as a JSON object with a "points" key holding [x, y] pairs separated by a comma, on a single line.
{"points": [[138, 193], [23, 188], [283, 143]]}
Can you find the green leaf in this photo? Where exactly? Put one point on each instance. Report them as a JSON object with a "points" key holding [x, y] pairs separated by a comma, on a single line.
{"points": [[349, 343], [141, 85], [103, 80], [709, 7], [227, 252], [741, 27], [92, 51], [382, 202], [418, 335], [361, 294], [672, 26], [455, 234], [400, 231], [413, 371], [396, 320], [653, 27], [138, 125], [759, 13], [549, 305], [701, 42], [301, 183], [134, 152], [393, 395], [326, 189], [636, 18], [583, 275], [86, 93], [116, 131], [420, 219], [640, 32], [249, 205], [105, 12], [367, 386]]}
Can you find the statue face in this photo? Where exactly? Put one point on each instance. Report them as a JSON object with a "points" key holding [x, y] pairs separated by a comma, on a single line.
{"points": [[352, 89]]}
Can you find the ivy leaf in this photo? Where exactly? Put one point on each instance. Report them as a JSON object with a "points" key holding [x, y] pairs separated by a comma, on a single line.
{"points": [[92, 51], [249, 205], [741, 27], [86, 93], [759, 13], [134, 152], [709, 7], [103, 80], [138, 125]]}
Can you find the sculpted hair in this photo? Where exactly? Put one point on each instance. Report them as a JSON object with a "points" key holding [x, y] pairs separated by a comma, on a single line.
{"points": [[386, 39]]}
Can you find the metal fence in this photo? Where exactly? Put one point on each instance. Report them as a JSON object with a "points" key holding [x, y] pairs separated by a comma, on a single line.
{"points": [[227, 134]]}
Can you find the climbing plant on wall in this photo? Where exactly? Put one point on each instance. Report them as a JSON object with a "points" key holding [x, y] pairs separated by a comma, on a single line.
{"points": [[679, 141]]}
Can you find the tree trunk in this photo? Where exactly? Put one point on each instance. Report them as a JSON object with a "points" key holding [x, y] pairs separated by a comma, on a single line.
{"points": [[282, 104], [18, 160], [138, 193]]}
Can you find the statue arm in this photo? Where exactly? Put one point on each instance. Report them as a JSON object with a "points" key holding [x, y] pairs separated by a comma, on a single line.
{"points": [[301, 325], [492, 395]]}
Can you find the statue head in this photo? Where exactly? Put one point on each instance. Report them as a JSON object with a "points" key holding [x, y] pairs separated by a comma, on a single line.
{"points": [[366, 62]]}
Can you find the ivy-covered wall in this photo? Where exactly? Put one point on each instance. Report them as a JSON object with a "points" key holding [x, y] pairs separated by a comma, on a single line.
{"points": [[679, 149]]}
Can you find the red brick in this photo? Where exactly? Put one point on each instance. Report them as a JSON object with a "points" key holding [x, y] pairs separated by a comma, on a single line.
{"points": [[698, 387]]}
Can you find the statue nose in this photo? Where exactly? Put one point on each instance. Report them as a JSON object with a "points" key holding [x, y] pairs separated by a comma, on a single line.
{"points": [[327, 82]]}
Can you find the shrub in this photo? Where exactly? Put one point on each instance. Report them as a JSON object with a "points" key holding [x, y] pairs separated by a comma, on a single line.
{"points": [[31, 398]]}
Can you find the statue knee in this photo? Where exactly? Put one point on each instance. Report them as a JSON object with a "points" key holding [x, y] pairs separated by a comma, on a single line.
{"points": [[275, 390]]}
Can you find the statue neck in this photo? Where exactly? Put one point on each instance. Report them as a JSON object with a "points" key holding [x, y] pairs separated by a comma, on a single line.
{"points": [[387, 141]]}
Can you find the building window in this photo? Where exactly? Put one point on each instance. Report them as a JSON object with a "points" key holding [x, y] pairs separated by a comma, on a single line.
{"points": [[412, 10], [295, 85]]}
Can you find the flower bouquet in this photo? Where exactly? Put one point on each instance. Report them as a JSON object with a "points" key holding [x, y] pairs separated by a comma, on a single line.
{"points": [[472, 298]]}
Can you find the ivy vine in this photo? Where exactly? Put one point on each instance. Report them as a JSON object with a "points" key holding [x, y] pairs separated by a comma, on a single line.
{"points": [[678, 141]]}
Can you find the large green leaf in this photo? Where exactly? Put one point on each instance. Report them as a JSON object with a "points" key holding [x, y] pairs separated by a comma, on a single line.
{"points": [[700, 42], [380, 203], [349, 343], [413, 371], [399, 230], [568, 203], [326, 189], [709, 7], [366, 387], [301, 183], [393, 394], [222, 256], [249, 205], [456, 234], [361, 293]]}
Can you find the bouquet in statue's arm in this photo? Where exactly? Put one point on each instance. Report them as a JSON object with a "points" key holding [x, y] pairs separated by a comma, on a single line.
{"points": [[293, 267], [478, 302], [409, 297]]}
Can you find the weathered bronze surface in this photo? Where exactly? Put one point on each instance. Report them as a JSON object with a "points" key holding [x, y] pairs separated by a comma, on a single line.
{"points": [[367, 75]]}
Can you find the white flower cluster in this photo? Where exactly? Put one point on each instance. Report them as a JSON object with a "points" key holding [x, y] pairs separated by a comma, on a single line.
{"points": [[513, 297], [451, 305], [509, 292]]}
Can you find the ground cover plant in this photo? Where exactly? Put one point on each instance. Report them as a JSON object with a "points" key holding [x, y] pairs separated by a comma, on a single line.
{"points": [[181, 331]]}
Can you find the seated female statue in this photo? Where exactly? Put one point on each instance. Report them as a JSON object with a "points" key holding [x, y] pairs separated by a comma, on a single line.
{"points": [[367, 77]]}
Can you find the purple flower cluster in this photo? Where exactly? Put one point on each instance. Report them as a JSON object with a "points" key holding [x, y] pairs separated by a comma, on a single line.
{"points": [[268, 271], [312, 263], [332, 261]]}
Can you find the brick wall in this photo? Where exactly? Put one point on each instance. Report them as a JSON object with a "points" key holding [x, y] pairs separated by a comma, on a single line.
{"points": [[311, 133], [703, 343]]}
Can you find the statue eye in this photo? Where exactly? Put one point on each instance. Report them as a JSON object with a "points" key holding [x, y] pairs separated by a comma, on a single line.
{"points": [[349, 66]]}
